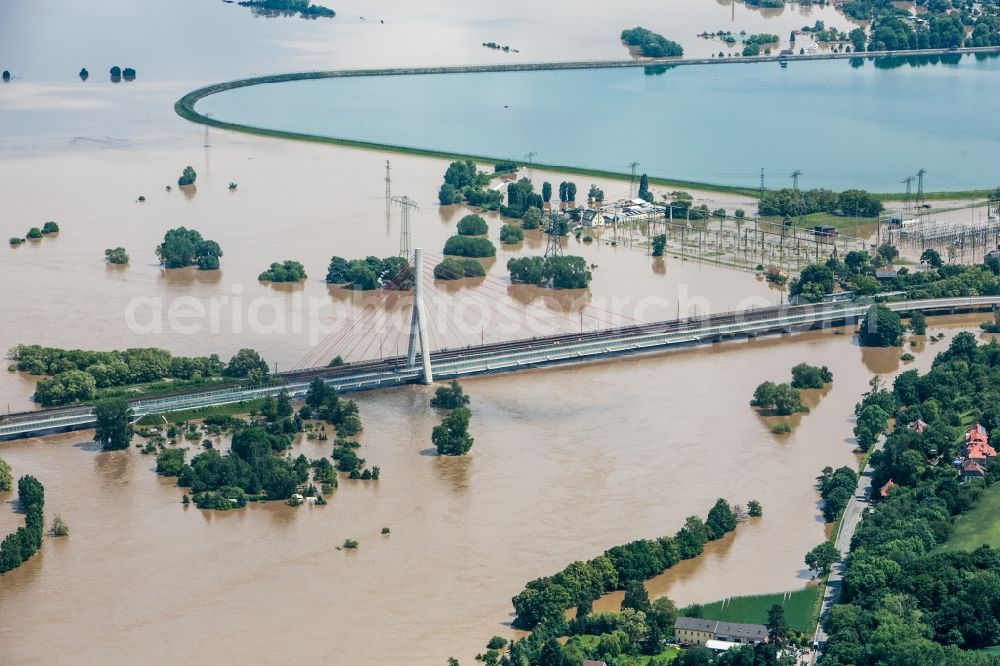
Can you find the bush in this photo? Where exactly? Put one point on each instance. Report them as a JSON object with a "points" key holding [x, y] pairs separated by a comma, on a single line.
{"points": [[170, 462], [651, 44], [15, 241], [116, 255], [183, 247], [188, 176], [350, 544], [781, 428], [59, 527], [450, 397], [287, 271], [805, 376], [755, 509], [511, 234], [50, 228], [6, 478], [532, 218], [567, 272], [456, 269], [464, 246], [452, 438], [116, 72], [34, 233], [472, 225], [881, 327]]}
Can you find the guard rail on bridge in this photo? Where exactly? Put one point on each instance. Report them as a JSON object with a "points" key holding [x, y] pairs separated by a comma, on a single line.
{"points": [[510, 356]]}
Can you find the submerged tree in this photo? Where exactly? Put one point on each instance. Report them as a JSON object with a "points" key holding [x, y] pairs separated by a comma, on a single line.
{"points": [[113, 430]]}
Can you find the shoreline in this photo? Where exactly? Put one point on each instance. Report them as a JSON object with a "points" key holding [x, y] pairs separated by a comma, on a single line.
{"points": [[185, 108]]}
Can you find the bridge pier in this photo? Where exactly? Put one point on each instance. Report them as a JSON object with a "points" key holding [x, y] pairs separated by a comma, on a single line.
{"points": [[418, 324]]}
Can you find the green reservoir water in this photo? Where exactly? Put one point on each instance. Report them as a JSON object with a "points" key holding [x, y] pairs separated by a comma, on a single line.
{"points": [[843, 123]]}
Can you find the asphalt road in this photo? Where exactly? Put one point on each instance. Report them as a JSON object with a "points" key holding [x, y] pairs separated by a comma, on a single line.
{"points": [[853, 513]]}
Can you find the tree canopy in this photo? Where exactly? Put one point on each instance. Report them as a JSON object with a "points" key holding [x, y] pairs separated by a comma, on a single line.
{"points": [[183, 247]]}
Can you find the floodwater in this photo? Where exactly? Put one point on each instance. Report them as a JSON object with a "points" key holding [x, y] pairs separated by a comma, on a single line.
{"points": [[681, 123], [551, 478], [566, 463]]}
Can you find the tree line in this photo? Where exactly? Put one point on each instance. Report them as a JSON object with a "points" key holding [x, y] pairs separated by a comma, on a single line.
{"points": [[18, 546], [545, 600], [788, 202], [565, 272], [75, 375], [651, 44], [393, 273]]}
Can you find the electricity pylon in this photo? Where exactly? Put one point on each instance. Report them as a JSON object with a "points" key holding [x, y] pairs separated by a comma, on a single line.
{"points": [[406, 204]]}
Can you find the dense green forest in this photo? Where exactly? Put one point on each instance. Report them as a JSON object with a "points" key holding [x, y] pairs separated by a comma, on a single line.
{"points": [[904, 601]]}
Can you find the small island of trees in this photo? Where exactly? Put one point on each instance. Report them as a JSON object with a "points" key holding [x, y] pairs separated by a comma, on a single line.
{"points": [[651, 44], [472, 225], [393, 273], [187, 177], [18, 546], [464, 184], [302, 8], [78, 375], [116, 255], [457, 268], [511, 234], [469, 246], [451, 437], [287, 271], [182, 247], [567, 272]]}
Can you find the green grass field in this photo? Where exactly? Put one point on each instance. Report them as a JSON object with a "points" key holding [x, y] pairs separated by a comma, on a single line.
{"points": [[843, 223], [800, 608], [979, 526], [244, 407]]}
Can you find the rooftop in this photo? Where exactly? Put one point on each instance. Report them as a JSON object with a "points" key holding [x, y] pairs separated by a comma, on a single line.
{"points": [[717, 627]]}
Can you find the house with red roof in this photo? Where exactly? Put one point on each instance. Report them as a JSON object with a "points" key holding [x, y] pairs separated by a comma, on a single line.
{"points": [[981, 452], [976, 433], [971, 469], [884, 490]]}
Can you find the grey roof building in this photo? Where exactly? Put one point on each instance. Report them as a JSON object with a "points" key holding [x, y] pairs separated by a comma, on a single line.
{"points": [[698, 630]]}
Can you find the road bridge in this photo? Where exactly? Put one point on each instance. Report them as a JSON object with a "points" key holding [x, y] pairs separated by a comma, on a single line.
{"points": [[506, 357]]}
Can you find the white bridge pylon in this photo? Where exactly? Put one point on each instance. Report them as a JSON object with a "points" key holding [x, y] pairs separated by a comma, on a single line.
{"points": [[418, 323]]}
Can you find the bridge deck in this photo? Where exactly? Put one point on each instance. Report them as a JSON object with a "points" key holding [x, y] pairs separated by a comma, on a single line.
{"points": [[506, 357]]}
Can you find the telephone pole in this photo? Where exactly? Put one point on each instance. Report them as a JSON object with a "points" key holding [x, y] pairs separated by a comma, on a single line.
{"points": [[406, 204]]}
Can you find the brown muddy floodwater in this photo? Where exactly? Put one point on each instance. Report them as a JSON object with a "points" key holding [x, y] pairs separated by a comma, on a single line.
{"points": [[566, 463]]}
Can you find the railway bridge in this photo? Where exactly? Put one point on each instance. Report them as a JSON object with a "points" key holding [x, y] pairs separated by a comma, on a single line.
{"points": [[508, 356]]}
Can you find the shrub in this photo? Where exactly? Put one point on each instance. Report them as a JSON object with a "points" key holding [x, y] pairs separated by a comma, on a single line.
{"points": [[50, 227], [350, 544], [59, 527], [456, 269], [450, 397], [464, 246], [805, 376], [34, 233], [187, 177], [472, 225], [511, 233], [116, 255], [287, 271], [15, 241], [781, 428]]}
